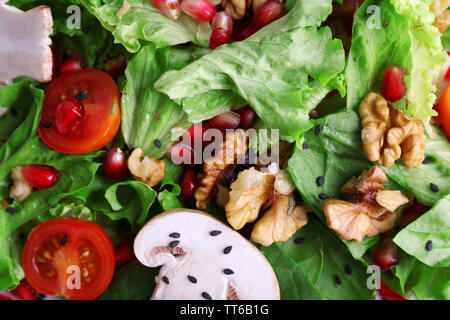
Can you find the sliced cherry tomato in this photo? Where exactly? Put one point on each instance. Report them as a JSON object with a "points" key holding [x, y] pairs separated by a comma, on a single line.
{"points": [[100, 98], [444, 111], [69, 256]]}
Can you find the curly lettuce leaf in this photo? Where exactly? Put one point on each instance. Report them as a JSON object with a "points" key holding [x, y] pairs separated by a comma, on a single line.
{"points": [[307, 271], [337, 155], [147, 114], [434, 226], [277, 70], [144, 23]]}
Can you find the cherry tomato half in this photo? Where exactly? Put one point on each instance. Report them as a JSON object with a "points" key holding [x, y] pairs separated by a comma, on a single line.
{"points": [[69, 256], [444, 111], [100, 98]]}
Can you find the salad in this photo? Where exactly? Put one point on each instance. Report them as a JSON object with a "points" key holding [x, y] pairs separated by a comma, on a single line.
{"points": [[224, 149]]}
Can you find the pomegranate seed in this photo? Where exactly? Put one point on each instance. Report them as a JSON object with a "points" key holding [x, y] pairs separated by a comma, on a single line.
{"points": [[247, 116], [195, 134], [68, 114], [25, 291], [227, 120], [385, 254], [188, 185], [200, 10], [124, 252], [223, 21], [181, 153], [387, 293], [393, 87], [218, 38], [268, 13], [116, 164], [41, 176], [245, 31], [170, 8], [71, 64], [4, 296], [412, 213]]}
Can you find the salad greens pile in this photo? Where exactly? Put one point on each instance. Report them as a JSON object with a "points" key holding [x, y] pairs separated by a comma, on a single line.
{"points": [[283, 71]]}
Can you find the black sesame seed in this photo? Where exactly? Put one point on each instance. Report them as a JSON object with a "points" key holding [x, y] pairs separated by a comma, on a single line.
{"points": [[13, 112], [158, 143], [318, 130], [215, 233], [82, 96], [47, 124], [434, 187], [319, 181], [227, 250], [192, 279], [299, 240], [175, 235], [173, 244], [337, 280], [427, 160], [206, 296], [165, 279], [64, 240], [348, 270], [305, 146], [228, 271], [10, 200], [11, 210], [323, 196], [429, 245]]}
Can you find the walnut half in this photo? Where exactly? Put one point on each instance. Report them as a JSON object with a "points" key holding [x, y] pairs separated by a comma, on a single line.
{"points": [[370, 208], [388, 135], [254, 191], [148, 170]]}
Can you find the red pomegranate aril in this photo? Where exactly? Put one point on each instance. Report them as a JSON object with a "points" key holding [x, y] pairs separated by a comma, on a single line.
{"points": [[41, 176], [188, 185], [170, 8], [124, 253], [387, 293], [200, 10], [247, 116], [412, 213], [223, 21], [218, 38], [227, 120], [71, 64], [196, 134], [68, 114], [245, 31], [385, 254], [181, 153], [268, 13], [116, 164], [393, 87], [25, 291]]}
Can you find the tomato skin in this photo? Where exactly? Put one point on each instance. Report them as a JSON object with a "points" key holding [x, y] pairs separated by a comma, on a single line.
{"points": [[101, 101], [444, 111], [81, 236]]}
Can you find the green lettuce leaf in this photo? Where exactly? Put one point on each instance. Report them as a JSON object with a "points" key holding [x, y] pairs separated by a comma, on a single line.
{"points": [[307, 271], [276, 70], [434, 226], [144, 22], [147, 114], [337, 155]]}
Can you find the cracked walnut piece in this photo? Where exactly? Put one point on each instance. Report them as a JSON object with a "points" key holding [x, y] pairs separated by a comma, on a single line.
{"points": [[388, 135], [148, 170], [231, 150], [254, 191], [370, 209], [21, 189], [237, 8]]}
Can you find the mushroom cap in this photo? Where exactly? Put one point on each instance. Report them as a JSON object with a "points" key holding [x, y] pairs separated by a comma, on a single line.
{"points": [[25, 43], [192, 245]]}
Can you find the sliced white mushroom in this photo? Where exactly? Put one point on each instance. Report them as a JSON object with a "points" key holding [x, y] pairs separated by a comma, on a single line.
{"points": [[202, 258], [25, 43]]}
